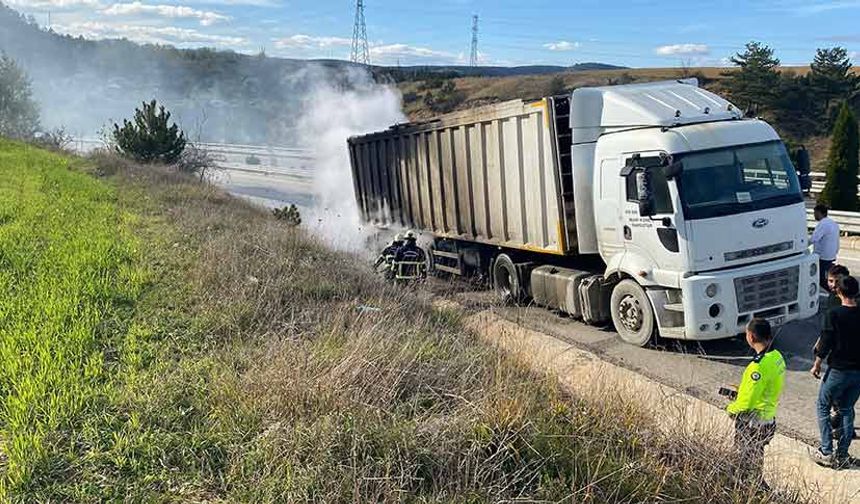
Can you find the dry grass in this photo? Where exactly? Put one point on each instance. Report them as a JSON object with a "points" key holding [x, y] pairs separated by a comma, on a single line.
{"points": [[261, 375]]}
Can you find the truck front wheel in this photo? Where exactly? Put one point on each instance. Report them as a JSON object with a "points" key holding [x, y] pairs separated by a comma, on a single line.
{"points": [[632, 313]]}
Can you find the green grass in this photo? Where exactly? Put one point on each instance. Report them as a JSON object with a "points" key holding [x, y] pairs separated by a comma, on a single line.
{"points": [[68, 278], [164, 342]]}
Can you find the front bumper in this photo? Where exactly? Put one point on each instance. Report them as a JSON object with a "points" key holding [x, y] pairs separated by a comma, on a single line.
{"points": [[770, 295]]}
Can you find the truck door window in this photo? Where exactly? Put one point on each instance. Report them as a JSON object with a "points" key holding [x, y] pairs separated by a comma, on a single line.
{"points": [[660, 186]]}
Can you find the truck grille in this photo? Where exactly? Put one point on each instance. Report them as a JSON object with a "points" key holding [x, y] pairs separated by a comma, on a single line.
{"points": [[754, 252], [759, 292]]}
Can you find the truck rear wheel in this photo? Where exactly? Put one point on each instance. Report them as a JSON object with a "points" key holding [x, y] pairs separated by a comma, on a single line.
{"points": [[632, 313], [506, 280]]}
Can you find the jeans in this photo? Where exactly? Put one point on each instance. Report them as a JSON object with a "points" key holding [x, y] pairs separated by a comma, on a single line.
{"points": [[840, 388], [823, 270]]}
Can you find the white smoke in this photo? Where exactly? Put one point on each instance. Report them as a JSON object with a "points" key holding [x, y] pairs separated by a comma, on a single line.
{"points": [[331, 114]]}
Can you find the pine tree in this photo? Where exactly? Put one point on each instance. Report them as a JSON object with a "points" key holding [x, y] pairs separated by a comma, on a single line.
{"points": [[753, 85], [831, 78], [150, 138], [840, 191]]}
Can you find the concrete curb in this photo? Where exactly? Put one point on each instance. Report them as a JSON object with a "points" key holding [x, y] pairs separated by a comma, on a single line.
{"points": [[787, 463]]}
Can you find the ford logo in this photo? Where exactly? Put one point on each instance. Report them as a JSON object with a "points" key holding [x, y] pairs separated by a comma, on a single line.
{"points": [[760, 223]]}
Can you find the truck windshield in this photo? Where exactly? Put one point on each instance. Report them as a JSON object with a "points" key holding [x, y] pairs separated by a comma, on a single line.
{"points": [[737, 179]]}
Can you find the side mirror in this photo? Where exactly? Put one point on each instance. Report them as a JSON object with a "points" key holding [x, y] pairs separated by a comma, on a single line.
{"points": [[673, 170], [645, 194]]}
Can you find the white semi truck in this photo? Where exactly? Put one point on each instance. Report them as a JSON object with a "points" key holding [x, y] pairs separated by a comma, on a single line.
{"points": [[658, 206]]}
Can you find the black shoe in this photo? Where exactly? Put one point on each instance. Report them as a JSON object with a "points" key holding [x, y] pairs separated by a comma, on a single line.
{"points": [[843, 461]]}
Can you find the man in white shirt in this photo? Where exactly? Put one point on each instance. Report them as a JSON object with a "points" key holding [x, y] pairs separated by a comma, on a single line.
{"points": [[825, 242]]}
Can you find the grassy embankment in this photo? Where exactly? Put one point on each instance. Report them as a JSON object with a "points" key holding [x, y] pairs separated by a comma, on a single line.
{"points": [[162, 341]]}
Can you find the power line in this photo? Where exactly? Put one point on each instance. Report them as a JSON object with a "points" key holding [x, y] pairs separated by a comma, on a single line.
{"points": [[473, 56], [360, 50]]}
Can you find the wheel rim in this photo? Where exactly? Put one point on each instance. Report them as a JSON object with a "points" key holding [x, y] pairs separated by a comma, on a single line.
{"points": [[630, 314]]}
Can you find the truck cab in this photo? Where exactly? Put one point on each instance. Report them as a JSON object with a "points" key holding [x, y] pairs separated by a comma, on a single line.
{"points": [[697, 212]]}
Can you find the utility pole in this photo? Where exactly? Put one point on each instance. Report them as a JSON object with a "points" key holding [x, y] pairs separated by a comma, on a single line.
{"points": [[473, 56], [360, 50]]}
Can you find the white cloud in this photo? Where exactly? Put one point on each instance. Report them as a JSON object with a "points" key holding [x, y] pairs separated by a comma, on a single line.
{"points": [[562, 45], [55, 4], [301, 41], [380, 52], [407, 51], [206, 18], [818, 7], [149, 34], [683, 50]]}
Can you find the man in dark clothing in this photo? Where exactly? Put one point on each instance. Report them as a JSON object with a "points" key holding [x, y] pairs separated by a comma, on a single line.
{"points": [[390, 251], [386, 258], [410, 259], [840, 386]]}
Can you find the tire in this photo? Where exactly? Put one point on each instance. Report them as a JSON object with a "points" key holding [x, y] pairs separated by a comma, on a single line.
{"points": [[632, 313], [506, 280]]}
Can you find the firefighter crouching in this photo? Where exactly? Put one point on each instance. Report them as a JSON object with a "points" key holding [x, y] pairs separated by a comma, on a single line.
{"points": [[385, 262], [754, 409], [410, 262]]}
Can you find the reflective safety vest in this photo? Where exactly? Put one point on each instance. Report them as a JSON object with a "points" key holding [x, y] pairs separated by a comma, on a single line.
{"points": [[760, 386]]}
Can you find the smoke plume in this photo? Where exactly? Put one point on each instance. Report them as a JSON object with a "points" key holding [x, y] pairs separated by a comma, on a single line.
{"points": [[330, 115]]}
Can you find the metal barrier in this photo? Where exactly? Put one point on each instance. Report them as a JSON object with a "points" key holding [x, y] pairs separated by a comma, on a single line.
{"points": [[818, 181], [849, 222]]}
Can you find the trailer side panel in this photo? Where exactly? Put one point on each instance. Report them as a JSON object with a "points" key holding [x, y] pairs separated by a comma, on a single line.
{"points": [[490, 175]]}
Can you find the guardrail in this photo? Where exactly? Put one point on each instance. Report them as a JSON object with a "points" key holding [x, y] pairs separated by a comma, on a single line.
{"points": [[818, 181], [849, 222]]}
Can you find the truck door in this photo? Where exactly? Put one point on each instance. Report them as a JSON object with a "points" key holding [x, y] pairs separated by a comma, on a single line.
{"points": [[608, 209], [651, 243]]}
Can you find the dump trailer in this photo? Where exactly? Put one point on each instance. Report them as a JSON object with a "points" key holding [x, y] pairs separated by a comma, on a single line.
{"points": [[657, 206]]}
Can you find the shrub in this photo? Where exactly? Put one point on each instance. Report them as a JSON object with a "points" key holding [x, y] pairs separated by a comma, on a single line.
{"points": [[289, 214], [446, 99], [19, 114], [557, 86], [149, 138], [196, 160], [56, 139]]}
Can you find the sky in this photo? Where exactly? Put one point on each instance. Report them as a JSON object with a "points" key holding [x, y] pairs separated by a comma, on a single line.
{"points": [[635, 33]]}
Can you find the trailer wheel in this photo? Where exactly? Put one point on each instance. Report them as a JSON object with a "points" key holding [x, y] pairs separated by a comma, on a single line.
{"points": [[632, 313], [506, 280]]}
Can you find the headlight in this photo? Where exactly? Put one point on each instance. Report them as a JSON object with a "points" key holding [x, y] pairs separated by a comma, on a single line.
{"points": [[711, 290], [813, 289], [813, 269]]}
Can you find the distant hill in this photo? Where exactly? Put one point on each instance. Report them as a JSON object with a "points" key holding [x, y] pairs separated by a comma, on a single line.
{"points": [[498, 71]]}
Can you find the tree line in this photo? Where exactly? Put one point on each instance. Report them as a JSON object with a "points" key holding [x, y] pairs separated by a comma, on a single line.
{"points": [[799, 105]]}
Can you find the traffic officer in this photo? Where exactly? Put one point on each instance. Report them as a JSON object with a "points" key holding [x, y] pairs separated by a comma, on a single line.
{"points": [[754, 409]]}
